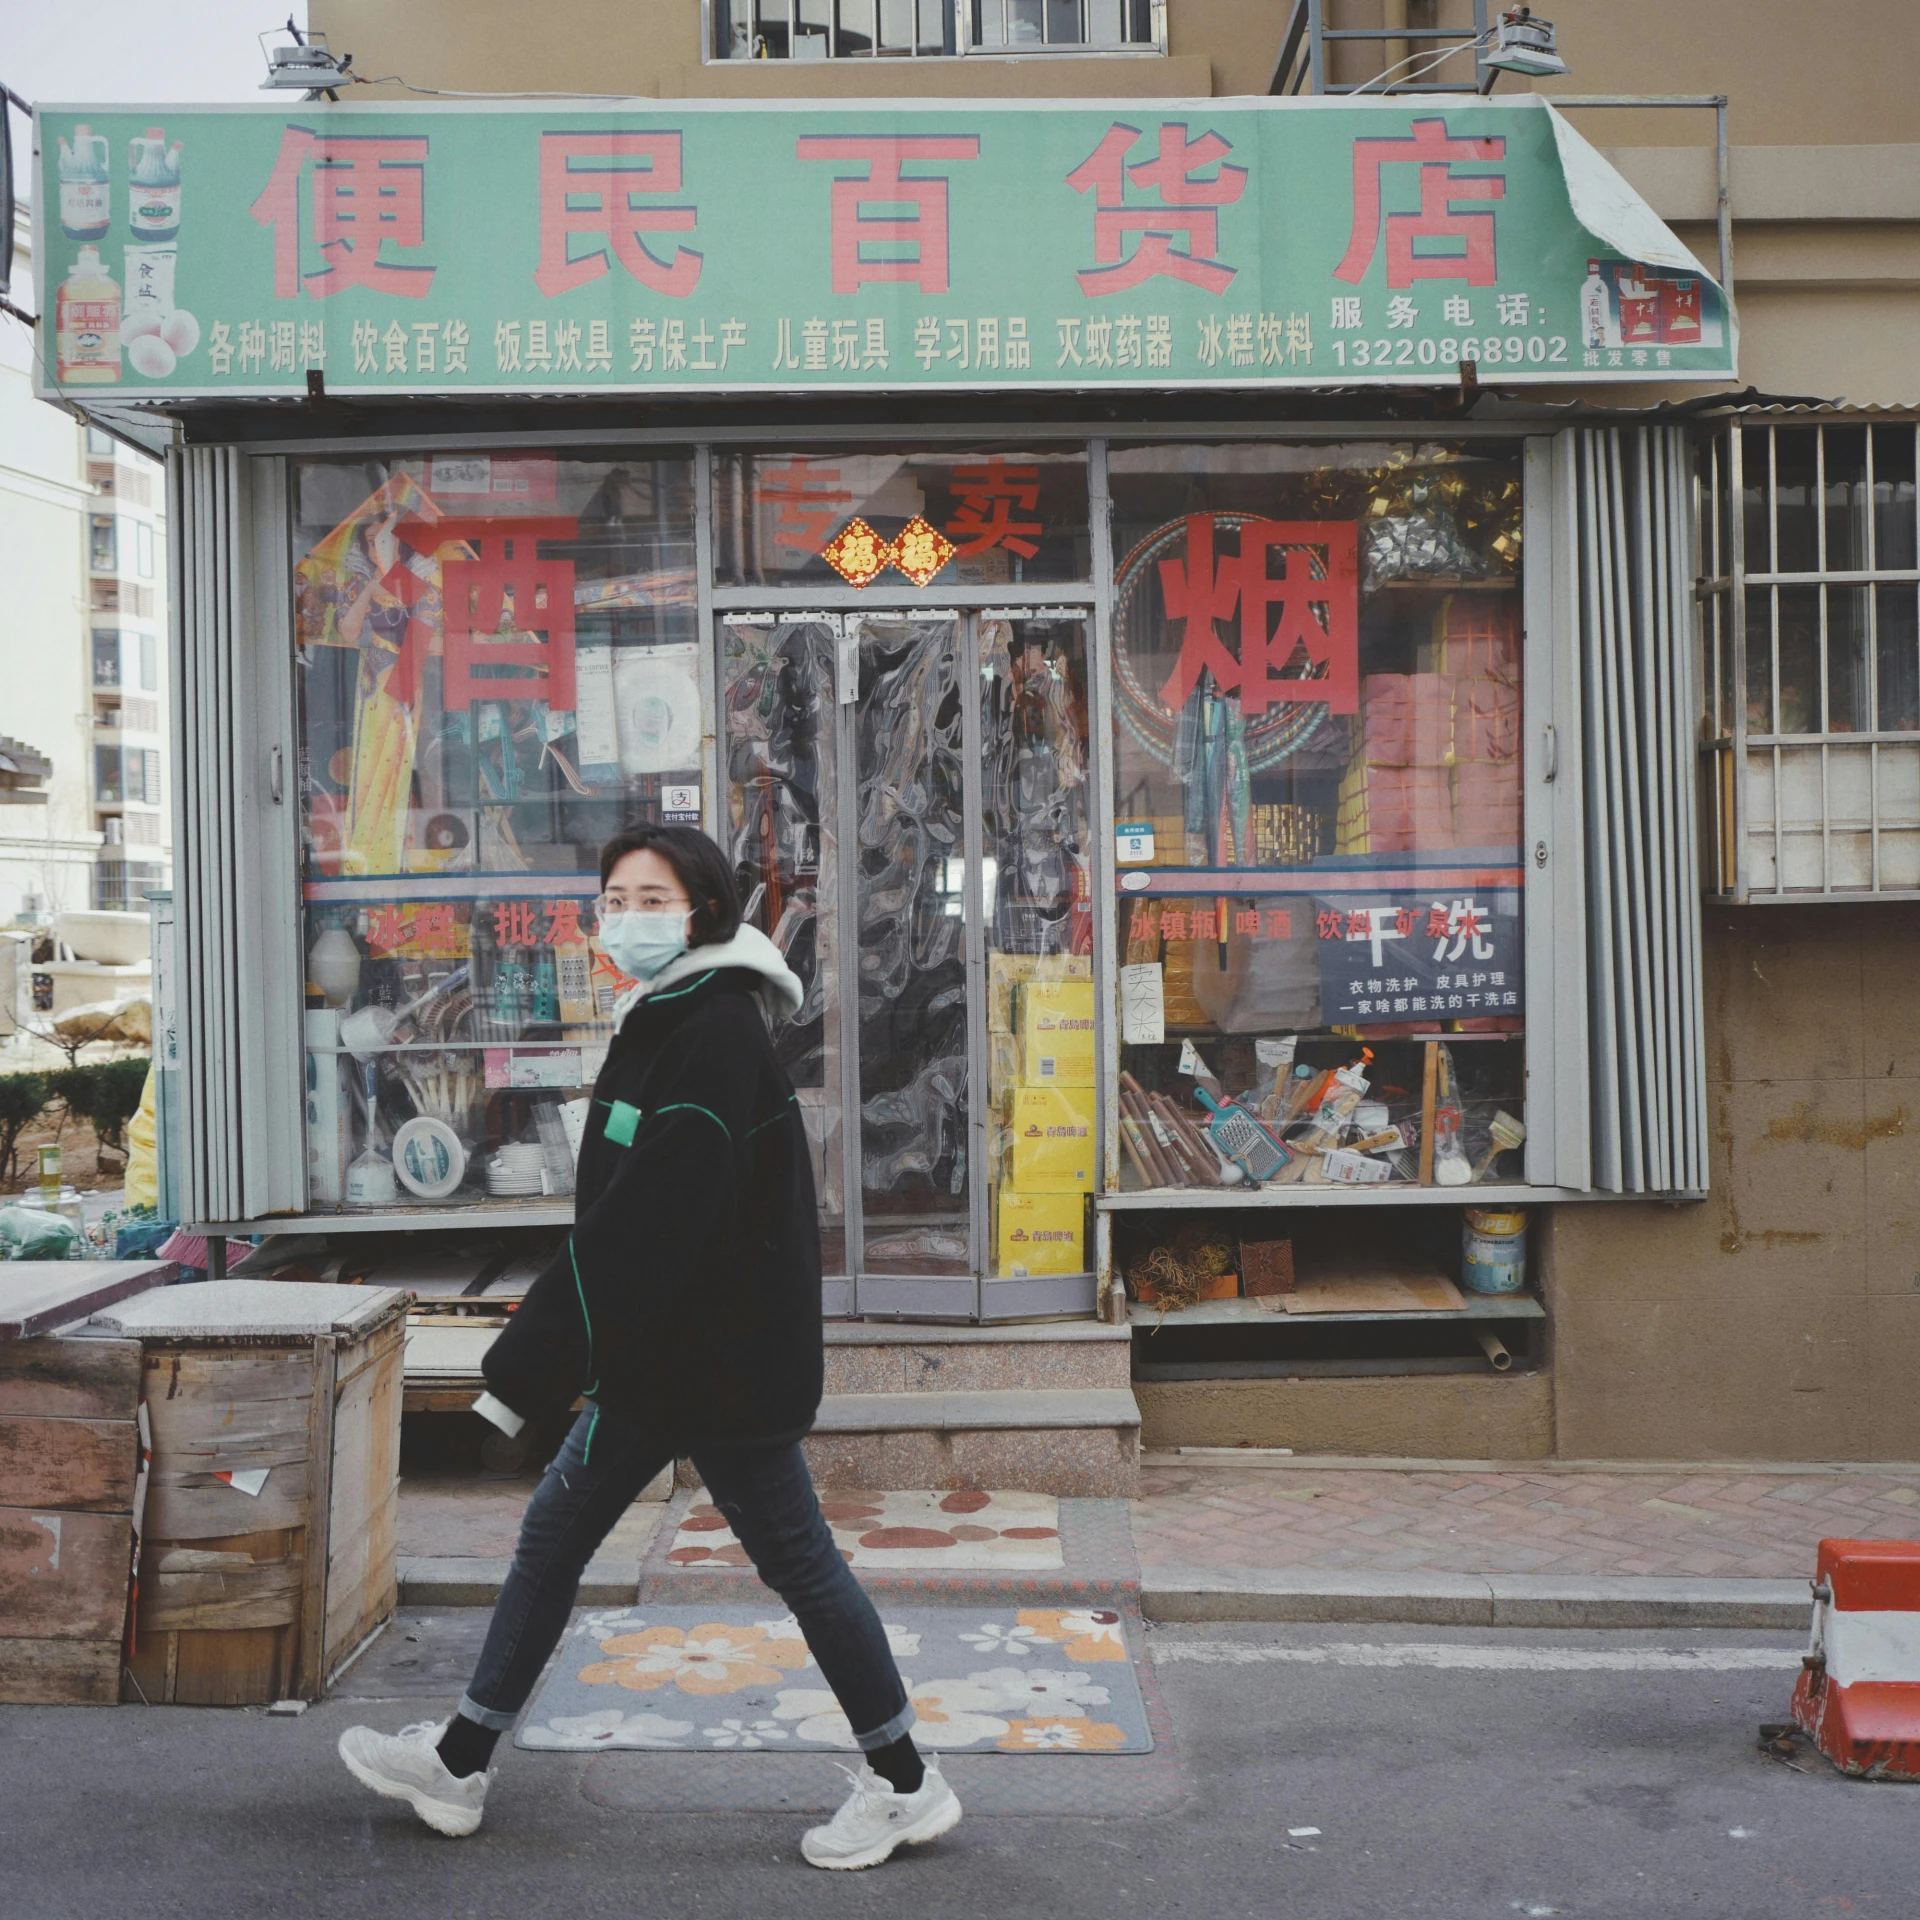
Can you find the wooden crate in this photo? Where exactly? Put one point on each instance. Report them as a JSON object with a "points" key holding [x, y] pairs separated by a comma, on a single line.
{"points": [[69, 1452], [69, 1460], [257, 1589]]}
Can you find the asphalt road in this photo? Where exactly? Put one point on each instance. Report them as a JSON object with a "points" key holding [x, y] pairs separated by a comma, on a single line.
{"points": [[1447, 1773]]}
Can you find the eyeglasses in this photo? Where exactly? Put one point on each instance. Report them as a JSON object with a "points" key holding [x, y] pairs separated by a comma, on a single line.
{"points": [[646, 900]]}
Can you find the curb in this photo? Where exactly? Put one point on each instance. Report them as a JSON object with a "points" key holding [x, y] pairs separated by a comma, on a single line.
{"points": [[1177, 1594], [469, 1582]]}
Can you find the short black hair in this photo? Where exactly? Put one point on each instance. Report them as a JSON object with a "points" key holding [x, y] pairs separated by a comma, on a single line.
{"points": [[698, 865]]}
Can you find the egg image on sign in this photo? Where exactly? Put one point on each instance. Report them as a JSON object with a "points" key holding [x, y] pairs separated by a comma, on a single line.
{"points": [[151, 356], [656, 698]]}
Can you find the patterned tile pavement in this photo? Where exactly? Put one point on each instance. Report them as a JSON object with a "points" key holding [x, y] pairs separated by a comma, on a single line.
{"points": [[1698, 1524]]}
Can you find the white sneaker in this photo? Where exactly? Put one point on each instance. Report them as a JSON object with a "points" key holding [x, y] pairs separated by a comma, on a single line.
{"points": [[876, 1819], [404, 1766]]}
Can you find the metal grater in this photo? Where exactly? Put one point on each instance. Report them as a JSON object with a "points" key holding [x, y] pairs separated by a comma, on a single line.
{"points": [[1242, 1138]]}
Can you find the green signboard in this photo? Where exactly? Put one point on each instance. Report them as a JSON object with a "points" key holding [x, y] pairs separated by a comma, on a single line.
{"points": [[672, 247]]}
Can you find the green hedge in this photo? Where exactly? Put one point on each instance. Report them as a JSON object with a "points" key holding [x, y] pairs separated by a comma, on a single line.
{"points": [[106, 1095], [23, 1098]]}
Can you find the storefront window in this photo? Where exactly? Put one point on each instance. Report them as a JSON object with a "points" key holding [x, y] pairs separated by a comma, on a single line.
{"points": [[900, 523], [498, 666], [1317, 785]]}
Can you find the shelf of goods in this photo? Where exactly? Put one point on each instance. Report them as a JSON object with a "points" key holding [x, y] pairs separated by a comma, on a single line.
{"points": [[1246, 1313]]}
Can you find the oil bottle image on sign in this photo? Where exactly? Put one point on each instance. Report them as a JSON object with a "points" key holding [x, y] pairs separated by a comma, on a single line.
{"points": [[87, 323]]}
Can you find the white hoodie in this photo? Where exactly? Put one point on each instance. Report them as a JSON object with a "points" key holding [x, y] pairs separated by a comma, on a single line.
{"points": [[780, 992]]}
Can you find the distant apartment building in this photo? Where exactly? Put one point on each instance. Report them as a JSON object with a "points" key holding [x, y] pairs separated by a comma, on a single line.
{"points": [[82, 653]]}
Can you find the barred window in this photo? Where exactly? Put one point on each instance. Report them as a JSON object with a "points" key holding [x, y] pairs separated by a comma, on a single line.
{"points": [[924, 29], [1811, 632]]}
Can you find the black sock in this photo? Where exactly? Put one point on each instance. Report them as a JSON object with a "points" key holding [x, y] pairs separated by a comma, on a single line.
{"points": [[466, 1746], [899, 1765]]}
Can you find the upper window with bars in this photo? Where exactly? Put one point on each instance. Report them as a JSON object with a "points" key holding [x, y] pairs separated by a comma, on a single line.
{"points": [[1811, 599], [930, 29]]}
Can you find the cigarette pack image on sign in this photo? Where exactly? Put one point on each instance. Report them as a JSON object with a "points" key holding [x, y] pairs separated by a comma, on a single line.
{"points": [[1056, 1033], [1052, 1132], [1041, 1233]]}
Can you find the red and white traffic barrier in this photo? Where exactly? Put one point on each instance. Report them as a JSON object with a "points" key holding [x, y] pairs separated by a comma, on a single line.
{"points": [[1858, 1694]]}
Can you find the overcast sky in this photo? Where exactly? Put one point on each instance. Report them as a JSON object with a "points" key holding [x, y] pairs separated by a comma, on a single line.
{"points": [[133, 50]]}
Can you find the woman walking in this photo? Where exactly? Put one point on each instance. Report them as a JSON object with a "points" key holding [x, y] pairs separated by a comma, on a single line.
{"points": [[685, 1308]]}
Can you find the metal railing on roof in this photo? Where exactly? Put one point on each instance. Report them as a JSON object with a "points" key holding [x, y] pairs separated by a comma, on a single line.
{"points": [[1302, 65]]}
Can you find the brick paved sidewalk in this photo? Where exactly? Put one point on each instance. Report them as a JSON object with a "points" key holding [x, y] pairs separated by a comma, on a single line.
{"points": [[1355, 1520]]}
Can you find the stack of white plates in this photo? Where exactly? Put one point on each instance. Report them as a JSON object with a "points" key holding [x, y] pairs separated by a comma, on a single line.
{"points": [[516, 1170]]}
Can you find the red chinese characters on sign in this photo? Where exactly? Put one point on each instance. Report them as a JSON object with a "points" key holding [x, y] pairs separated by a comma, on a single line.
{"points": [[1244, 923], [416, 930], [563, 923], [513, 923], [1188, 209], [591, 185], [498, 599], [388, 928], [1467, 237], [1280, 615], [368, 193], [885, 189], [808, 502], [989, 493]]}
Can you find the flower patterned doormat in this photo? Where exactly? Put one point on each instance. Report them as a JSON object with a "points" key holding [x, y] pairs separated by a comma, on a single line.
{"points": [[720, 1679], [937, 1532]]}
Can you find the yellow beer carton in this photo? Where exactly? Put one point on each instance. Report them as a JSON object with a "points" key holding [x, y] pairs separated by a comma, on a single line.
{"points": [[1041, 1233], [1056, 1033], [1051, 1129], [1007, 972]]}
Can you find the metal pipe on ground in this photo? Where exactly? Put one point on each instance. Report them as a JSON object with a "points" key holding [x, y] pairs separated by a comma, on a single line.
{"points": [[1494, 1348]]}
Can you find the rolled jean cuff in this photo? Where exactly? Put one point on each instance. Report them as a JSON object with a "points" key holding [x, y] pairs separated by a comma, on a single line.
{"points": [[885, 1736], [491, 1717]]}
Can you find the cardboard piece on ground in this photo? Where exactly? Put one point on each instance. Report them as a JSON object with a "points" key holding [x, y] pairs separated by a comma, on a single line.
{"points": [[1374, 1289]]}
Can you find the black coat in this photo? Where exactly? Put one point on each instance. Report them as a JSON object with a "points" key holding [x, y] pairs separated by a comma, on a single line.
{"points": [[687, 1298]]}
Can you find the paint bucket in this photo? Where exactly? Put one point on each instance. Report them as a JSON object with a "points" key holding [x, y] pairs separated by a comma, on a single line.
{"points": [[1493, 1250]]}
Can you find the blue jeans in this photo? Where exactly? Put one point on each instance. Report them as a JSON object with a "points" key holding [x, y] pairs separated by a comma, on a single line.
{"points": [[767, 1496]]}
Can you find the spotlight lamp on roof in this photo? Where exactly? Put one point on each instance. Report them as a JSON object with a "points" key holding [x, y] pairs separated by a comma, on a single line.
{"points": [[1522, 43], [304, 65]]}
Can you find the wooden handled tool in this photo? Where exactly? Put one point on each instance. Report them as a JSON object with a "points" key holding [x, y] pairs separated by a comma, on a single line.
{"points": [[1205, 1161], [1133, 1107], [1506, 1132]]}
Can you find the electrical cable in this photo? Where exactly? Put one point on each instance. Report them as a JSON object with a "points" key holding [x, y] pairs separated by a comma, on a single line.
{"points": [[1433, 60]]}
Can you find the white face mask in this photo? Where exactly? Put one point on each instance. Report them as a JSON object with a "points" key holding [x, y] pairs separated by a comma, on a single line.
{"points": [[641, 944]]}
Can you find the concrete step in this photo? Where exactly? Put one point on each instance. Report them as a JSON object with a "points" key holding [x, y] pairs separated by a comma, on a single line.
{"points": [[985, 1411], [1076, 1442], [867, 1357]]}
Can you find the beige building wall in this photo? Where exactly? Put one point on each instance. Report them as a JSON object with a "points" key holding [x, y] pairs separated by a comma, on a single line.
{"points": [[1780, 1318]]}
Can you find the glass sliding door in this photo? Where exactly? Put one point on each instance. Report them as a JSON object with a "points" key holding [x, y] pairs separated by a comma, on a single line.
{"points": [[907, 797], [782, 829], [909, 769]]}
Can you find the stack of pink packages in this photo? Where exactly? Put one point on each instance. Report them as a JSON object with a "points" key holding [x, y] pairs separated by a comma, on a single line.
{"points": [[1409, 719]]}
